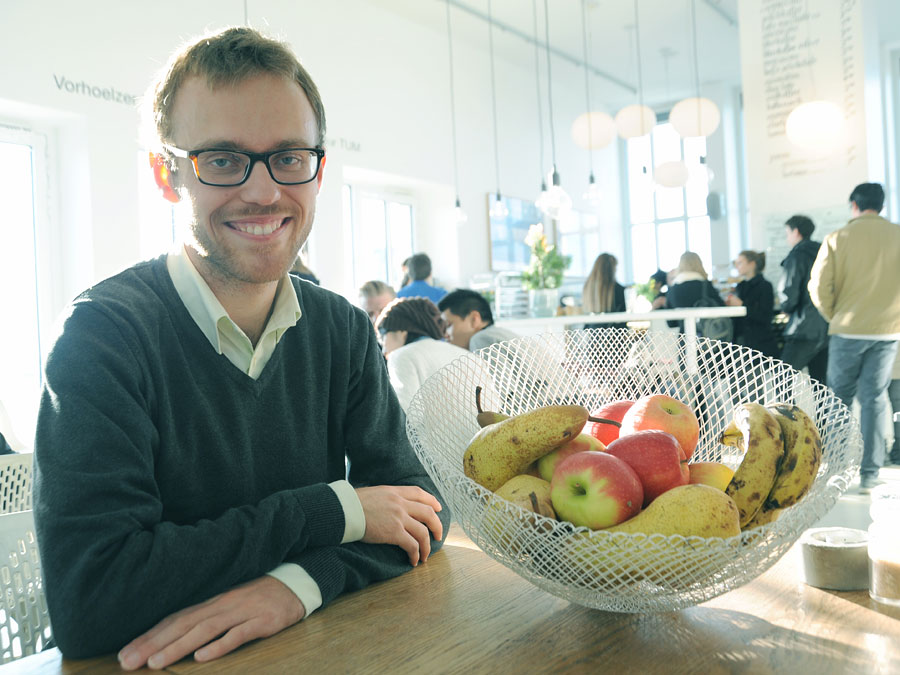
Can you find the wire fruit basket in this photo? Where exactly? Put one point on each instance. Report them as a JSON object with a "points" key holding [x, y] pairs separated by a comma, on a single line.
{"points": [[624, 572]]}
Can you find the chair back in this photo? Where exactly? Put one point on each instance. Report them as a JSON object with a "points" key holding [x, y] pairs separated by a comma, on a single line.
{"points": [[15, 482], [24, 619]]}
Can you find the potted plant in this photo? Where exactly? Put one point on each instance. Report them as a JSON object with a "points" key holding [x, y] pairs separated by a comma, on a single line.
{"points": [[544, 274]]}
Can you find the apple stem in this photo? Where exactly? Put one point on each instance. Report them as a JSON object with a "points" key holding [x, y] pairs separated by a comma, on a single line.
{"points": [[478, 399], [603, 420]]}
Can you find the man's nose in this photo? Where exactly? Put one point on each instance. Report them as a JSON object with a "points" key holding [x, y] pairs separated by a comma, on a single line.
{"points": [[260, 188]]}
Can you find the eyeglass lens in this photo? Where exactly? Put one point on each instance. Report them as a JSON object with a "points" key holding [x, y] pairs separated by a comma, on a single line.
{"points": [[225, 167]]}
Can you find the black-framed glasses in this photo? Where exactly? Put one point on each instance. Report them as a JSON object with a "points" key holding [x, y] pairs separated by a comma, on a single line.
{"points": [[228, 168]]}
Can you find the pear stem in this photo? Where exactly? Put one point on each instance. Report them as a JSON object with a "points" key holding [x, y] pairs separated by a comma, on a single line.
{"points": [[478, 399], [603, 420]]}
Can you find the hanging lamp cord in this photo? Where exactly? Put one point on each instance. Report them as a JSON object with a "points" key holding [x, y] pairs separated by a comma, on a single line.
{"points": [[637, 46], [550, 89], [452, 105], [696, 63], [537, 83], [587, 89], [494, 98]]}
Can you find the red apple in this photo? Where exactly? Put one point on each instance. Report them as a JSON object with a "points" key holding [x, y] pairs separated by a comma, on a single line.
{"points": [[607, 433], [656, 458], [596, 490], [547, 464], [664, 413]]}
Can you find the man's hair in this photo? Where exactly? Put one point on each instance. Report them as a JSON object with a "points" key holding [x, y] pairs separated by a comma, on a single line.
{"points": [[464, 301], [758, 258], [419, 266], [868, 197], [224, 59], [417, 316], [374, 288], [803, 224]]}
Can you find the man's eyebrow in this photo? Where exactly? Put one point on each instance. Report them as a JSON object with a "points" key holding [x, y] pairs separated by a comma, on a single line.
{"points": [[222, 144]]}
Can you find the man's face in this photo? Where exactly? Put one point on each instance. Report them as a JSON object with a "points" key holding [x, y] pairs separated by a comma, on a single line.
{"points": [[374, 304], [461, 329], [250, 233], [792, 236]]}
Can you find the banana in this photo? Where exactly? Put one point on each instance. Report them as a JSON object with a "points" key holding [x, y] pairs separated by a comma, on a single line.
{"points": [[802, 456], [757, 432]]}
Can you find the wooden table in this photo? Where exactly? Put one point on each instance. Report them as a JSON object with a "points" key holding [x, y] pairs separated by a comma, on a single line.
{"points": [[462, 612]]}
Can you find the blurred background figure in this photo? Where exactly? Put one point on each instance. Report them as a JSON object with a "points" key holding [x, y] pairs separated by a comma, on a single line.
{"points": [[404, 280], [419, 267], [301, 270], [374, 296], [602, 293], [806, 332], [411, 332], [756, 294], [894, 394], [689, 285], [469, 320]]}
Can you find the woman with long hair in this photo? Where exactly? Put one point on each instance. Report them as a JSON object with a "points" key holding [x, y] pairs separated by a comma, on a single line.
{"points": [[412, 337], [602, 293]]}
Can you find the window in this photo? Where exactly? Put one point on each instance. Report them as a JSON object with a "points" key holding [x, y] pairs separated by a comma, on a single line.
{"points": [[666, 222], [24, 275], [579, 237], [382, 232]]}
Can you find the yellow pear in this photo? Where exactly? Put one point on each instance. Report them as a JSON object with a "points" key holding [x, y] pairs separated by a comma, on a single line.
{"points": [[509, 528], [693, 510], [486, 417], [505, 449], [529, 492]]}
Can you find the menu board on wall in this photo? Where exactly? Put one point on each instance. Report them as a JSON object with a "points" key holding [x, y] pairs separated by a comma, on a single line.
{"points": [[792, 52]]}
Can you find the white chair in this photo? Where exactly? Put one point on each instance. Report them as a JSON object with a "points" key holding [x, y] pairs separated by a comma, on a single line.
{"points": [[24, 620], [15, 483]]}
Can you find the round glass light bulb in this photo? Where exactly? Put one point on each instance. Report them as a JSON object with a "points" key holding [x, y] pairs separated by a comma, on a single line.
{"points": [[498, 210], [695, 117], [815, 125], [671, 174], [593, 130], [593, 195], [554, 202], [635, 120], [460, 215]]}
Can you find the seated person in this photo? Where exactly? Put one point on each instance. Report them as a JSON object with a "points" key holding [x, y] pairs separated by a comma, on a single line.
{"points": [[412, 333], [602, 293], [756, 294], [420, 279], [690, 283], [199, 409], [374, 296], [469, 320]]}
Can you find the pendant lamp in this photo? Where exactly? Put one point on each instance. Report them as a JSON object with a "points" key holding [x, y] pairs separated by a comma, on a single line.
{"points": [[695, 116], [459, 214], [498, 210], [637, 119]]}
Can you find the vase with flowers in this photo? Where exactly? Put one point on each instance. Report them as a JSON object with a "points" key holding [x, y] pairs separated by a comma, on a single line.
{"points": [[544, 274]]}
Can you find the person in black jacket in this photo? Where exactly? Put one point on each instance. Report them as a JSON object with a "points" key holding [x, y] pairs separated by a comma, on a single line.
{"points": [[689, 285], [806, 332], [756, 294]]}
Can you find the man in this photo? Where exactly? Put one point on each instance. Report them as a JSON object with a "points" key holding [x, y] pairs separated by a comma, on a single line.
{"points": [[199, 409], [470, 323], [806, 332], [854, 283], [374, 296], [419, 266]]}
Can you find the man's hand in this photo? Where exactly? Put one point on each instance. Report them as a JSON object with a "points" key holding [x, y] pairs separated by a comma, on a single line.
{"points": [[257, 609], [401, 515]]}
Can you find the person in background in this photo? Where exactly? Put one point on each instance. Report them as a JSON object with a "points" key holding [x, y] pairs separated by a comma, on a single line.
{"points": [[301, 270], [602, 293], [412, 335], [419, 266], [469, 320], [853, 284], [374, 296], [806, 332], [404, 269], [191, 491], [690, 283], [756, 294]]}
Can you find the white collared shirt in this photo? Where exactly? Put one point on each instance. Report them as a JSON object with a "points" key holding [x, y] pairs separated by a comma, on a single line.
{"points": [[227, 338]]}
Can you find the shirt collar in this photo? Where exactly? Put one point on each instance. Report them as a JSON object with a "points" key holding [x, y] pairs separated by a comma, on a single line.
{"points": [[209, 314]]}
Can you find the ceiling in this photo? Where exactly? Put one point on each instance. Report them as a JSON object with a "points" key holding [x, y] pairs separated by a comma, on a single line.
{"points": [[665, 29]]}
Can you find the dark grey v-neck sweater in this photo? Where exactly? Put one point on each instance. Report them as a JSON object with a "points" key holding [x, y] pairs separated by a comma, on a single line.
{"points": [[164, 475]]}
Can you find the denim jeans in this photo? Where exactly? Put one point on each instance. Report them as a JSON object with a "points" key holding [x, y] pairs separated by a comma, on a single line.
{"points": [[862, 368]]}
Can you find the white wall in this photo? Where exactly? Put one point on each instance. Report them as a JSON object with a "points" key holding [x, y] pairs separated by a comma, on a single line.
{"points": [[385, 84]]}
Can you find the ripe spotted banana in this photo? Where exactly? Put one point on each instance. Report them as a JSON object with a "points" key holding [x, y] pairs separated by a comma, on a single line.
{"points": [[802, 456], [755, 431]]}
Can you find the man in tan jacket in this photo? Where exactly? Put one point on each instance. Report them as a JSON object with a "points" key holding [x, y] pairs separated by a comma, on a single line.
{"points": [[855, 285]]}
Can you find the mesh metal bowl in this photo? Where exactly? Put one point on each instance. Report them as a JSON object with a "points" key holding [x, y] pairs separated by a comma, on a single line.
{"points": [[618, 571]]}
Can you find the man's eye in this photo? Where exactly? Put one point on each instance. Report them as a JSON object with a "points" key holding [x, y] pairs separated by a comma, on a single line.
{"points": [[222, 161]]}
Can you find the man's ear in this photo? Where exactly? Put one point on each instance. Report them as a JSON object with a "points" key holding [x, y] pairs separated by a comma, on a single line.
{"points": [[163, 177], [474, 319], [321, 172]]}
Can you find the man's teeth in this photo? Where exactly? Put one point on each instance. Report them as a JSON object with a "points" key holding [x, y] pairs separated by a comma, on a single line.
{"points": [[250, 228]]}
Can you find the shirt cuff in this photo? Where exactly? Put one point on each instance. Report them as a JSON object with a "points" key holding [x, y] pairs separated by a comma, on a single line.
{"points": [[301, 584], [354, 516]]}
